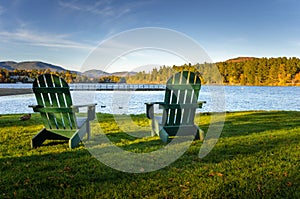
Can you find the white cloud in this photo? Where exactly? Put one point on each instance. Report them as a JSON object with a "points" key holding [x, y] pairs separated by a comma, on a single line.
{"points": [[103, 8], [24, 36]]}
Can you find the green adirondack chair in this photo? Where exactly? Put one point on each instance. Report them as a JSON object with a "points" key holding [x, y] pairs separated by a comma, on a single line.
{"points": [[54, 103], [179, 107]]}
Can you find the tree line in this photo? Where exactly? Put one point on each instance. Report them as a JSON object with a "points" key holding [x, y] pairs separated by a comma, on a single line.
{"points": [[281, 71], [262, 71]]}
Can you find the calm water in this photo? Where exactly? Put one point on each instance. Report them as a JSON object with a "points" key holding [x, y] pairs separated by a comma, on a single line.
{"points": [[227, 98]]}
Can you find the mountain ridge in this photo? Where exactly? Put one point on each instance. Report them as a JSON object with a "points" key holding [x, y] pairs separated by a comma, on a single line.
{"points": [[29, 65], [240, 59], [38, 65]]}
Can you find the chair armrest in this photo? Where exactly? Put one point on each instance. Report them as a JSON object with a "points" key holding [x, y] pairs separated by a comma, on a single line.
{"points": [[36, 108], [43, 109], [150, 110], [91, 114], [83, 105]]}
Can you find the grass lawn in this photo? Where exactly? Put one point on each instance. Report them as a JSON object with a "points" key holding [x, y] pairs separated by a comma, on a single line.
{"points": [[257, 156]]}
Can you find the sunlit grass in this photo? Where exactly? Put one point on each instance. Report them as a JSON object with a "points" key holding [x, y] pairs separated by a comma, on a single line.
{"points": [[257, 156]]}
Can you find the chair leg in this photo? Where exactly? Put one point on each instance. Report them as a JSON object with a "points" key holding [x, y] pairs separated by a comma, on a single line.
{"points": [[88, 130], [78, 135], [164, 136], [155, 127], [199, 135], [39, 138], [43, 135], [74, 140]]}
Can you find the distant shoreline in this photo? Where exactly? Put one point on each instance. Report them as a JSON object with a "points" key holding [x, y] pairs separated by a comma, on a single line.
{"points": [[14, 91]]}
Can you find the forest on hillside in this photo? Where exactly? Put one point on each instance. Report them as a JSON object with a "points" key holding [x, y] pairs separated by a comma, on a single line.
{"points": [[281, 71], [262, 71]]}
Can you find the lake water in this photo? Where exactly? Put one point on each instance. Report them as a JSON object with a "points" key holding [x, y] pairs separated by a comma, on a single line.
{"points": [[231, 98]]}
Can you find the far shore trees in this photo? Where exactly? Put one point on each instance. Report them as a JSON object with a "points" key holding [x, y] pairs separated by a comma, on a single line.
{"points": [[281, 71]]}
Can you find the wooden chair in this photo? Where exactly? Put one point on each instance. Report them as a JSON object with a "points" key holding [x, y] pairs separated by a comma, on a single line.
{"points": [[54, 103], [179, 107]]}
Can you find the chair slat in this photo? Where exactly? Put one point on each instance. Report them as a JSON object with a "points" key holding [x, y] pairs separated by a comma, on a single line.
{"points": [[195, 95], [68, 100], [40, 101], [181, 87], [187, 90], [67, 119], [47, 103], [177, 80], [57, 115]]}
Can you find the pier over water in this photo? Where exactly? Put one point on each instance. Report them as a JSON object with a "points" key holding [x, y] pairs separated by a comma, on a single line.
{"points": [[120, 87], [95, 86]]}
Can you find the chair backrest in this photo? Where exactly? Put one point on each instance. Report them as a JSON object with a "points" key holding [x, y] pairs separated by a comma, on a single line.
{"points": [[53, 93], [181, 89]]}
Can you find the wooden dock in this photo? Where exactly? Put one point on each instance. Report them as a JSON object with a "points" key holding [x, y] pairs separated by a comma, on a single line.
{"points": [[14, 89], [118, 87]]}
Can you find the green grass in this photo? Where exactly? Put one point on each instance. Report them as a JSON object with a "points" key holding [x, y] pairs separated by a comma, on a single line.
{"points": [[257, 156]]}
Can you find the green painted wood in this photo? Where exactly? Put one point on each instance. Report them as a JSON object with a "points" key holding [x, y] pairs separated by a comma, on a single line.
{"points": [[47, 99], [191, 97], [164, 136], [51, 90], [182, 96], [167, 101], [182, 106], [186, 129], [55, 106], [39, 138], [57, 110], [65, 116], [182, 87], [196, 91], [68, 100], [174, 99], [74, 141], [194, 96], [43, 135], [179, 106], [40, 101], [53, 96], [64, 133]]}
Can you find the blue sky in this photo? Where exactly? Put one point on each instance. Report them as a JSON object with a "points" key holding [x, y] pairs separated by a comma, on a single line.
{"points": [[65, 32]]}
